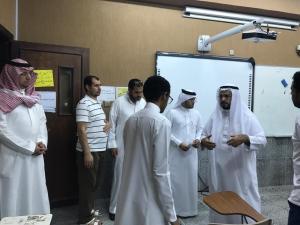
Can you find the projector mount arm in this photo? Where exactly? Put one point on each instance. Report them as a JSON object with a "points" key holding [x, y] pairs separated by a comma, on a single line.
{"points": [[204, 41]]}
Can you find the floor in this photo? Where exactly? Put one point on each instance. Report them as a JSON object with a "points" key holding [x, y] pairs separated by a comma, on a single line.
{"points": [[274, 206]]}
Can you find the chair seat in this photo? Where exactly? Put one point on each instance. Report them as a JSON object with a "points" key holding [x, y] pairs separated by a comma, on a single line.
{"points": [[263, 222]]}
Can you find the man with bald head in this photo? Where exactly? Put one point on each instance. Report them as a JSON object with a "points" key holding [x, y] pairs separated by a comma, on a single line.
{"points": [[23, 140], [233, 135]]}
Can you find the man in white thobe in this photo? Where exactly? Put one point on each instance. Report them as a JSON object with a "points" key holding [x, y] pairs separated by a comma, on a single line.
{"points": [[122, 108], [146, 196], [294, 199], [186, 129], [233, 134], [23, 140]]}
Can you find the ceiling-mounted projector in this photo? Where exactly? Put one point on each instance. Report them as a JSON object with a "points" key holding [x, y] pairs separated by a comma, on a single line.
{"points": [[259, 35]]}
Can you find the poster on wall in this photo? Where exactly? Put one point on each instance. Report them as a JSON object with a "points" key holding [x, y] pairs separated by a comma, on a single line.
{"points": [[108, 94], [121, 91], [48, 100], [44, 78]]}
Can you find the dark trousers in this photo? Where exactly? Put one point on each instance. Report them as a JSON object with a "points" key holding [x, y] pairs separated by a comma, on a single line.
{"points": [[88, 183], [294, 214]]}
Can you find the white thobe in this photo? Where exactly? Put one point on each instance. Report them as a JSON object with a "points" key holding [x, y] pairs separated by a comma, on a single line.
{"points": [[234, 169], [146, 196], [295, 194], [23, 188], [186, 127], [120, 111]]}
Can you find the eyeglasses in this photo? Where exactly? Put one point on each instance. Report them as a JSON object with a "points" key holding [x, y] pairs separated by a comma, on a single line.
{"points": [[192, 99], [25, 74], [170, 100]]}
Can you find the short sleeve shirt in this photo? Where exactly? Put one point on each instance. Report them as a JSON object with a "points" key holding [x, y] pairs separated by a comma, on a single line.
{"points": [[89, 110]]}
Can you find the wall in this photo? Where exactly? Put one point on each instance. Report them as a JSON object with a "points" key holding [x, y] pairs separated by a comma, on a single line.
{"points": [[7, 14], [123, 39], [278, 8]]}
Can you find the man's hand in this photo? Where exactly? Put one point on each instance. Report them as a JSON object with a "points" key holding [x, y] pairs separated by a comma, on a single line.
{"points": [[106, 127], [184, 147], [236, 140], [88, 160], [205, 142], [114, 152], [40, 148], [196, 143], [177, 222]]}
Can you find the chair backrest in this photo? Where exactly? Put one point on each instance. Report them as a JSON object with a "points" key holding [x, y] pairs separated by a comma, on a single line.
{"points": [[263, 222], [230, 203]]}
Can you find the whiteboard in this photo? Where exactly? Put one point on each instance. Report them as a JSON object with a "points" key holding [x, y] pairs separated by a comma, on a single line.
{"points": [[204, 75], [273, 105]]}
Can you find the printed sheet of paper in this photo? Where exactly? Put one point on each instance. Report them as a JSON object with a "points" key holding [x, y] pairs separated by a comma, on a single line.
{"points": [[108, 93], [44, 78], [48, 100], [121, 91], [27, 220]]}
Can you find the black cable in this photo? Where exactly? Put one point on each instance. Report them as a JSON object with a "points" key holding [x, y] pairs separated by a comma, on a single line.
{"points": [[206, 188]]}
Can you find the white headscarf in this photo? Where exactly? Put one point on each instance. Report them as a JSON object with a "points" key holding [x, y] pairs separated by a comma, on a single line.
{"points": [[238, 115], [183, 96]]}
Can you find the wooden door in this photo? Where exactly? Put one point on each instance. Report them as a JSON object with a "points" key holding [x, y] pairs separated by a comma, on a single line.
{"points": [[69, 66]]}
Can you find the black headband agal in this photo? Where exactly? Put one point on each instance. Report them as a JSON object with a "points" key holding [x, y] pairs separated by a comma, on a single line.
{"points": [[188, 92], [228, 86], [12, 63]]}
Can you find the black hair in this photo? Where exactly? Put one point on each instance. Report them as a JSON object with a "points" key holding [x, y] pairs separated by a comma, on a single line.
{"points": [[134, 83], [296, 80], [154, 87], [88, 80]]}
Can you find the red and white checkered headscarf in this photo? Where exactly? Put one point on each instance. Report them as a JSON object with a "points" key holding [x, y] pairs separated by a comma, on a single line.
{"points": [[10, 94]]}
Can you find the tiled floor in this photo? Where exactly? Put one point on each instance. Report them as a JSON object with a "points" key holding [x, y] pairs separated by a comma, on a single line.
{"points": [[274, 205]]}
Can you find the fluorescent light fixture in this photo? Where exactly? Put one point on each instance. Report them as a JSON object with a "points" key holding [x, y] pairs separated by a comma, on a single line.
{"points": [[214, 15]]}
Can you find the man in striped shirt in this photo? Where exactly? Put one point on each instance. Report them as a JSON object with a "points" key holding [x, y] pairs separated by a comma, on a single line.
{"points": [[92, 129]]}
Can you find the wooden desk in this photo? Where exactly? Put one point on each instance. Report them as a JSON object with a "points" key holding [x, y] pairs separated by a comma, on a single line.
{"points": [[229, 203]]}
